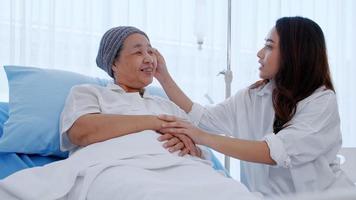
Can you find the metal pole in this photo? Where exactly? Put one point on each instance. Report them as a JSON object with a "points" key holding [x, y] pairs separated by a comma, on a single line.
{"points": [[229, 38], [228, 72]]}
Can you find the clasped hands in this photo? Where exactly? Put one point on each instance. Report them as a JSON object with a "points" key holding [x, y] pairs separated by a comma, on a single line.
{"points": [[179, 135]]}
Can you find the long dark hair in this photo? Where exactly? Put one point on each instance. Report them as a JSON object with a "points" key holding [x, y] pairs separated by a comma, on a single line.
{"points": [[303, 66]]}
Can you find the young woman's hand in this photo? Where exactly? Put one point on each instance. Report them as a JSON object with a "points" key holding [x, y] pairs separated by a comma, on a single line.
{"points": [[161, 70], [176, 126]]}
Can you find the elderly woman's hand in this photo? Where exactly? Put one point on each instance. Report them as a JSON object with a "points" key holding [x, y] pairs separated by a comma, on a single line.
{"points": [[180, 143]]}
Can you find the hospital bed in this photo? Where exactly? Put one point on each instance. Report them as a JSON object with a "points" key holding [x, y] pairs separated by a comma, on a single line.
{"points": [[32, 81], [11, 162], [30, 157]]}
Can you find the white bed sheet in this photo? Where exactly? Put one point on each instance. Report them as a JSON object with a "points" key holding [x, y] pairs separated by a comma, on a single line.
{"points": [[105, 171]]}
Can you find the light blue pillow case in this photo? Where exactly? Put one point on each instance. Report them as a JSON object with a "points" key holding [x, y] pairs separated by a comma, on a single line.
{"points": [[36, 99], [4, 109]]}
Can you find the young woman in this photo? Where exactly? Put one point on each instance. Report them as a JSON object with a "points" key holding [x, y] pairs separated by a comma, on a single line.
{"points": [[286, 127]]}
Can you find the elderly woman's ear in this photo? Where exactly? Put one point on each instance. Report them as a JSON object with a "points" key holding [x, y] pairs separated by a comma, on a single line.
{"points": [[114, 68]]}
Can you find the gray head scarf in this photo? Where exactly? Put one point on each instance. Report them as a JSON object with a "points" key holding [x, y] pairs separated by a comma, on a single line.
{"points": [[110, 45]]}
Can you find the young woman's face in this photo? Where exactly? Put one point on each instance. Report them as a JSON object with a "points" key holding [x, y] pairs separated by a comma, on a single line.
{"points": [[135, 67], [269, 56]]}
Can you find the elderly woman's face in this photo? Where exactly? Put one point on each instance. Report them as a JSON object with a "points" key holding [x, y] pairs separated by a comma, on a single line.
{"points": [[136, 65]]}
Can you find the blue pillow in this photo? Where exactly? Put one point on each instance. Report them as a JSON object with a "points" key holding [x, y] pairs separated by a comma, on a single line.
{"points": [[36, 99], [4, 109]]}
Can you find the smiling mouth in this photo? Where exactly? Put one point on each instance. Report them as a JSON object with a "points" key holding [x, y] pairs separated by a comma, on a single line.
{"points": [[147, 70]]}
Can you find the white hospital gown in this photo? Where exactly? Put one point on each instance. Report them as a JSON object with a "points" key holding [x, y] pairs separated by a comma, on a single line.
{"points": [[305, 151], [131, 167]]}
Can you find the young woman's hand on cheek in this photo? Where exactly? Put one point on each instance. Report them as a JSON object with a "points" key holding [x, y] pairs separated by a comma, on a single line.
{"points": [[161, 70]]}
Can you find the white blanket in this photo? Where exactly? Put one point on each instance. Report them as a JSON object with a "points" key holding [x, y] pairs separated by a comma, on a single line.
{"points": [[131, 167]]}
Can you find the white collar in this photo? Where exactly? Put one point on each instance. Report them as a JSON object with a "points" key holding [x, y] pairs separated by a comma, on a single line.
{"points": [[117, 88], [266, 89]]}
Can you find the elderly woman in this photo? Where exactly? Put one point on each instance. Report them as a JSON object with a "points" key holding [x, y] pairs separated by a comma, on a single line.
{"points": [[95, 114]]}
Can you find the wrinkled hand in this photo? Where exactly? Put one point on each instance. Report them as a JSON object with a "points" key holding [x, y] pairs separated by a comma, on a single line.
{"points": [[180, 142], [161, 70], [176, 126]]}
